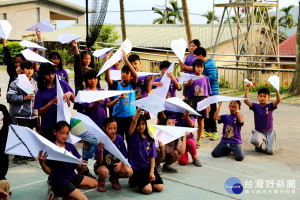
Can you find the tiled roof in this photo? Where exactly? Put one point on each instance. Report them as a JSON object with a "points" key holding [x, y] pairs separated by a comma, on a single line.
{"points": [[156, 36], [288, 47]]}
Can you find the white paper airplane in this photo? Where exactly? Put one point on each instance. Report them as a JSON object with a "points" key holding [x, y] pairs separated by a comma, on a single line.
{"points": [[186, 77], [23, 141], [214, 99], [175, 104], [24, 84], [82, 126], [31, 45], [42, 26], [34, 57], [247, 81], [86, 96], [5, 29], [101, 52], [153, 104], [66, 38], [115, 75], [179, 47], [274, 81], [126, 46]]}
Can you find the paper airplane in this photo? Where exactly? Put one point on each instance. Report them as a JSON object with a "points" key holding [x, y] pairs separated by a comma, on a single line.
{"points": [[24, 84], [126, 46], [42, 26], [167, 134], [101, 52], [179, 47], [34, 57], [116, 74], [214, 99], [247, 81], [66, 38], [163, 90], [82, 126], [175, 104], [31, 45], [153, 104], [23, 141], [186, 77], [86, 96], [274, 81], [5, 29]]}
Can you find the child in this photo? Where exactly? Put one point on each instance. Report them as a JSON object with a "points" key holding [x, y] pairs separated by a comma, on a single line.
{"points": [[107, 164], [199, 89], [56, 59], [231, 140], [65, 182], [263, 120], [142, 155], [124, 110], [46, 100]]}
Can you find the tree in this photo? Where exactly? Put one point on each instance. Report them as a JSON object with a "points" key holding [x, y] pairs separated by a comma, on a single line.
{"points": [[122, 17], [186, 20], [287, 21], [235, 20], [108, 34], [160, 20], [210, 15], [295, 86], [174, 13]]}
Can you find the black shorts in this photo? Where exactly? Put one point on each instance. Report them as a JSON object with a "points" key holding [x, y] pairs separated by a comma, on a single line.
{"points": [[140, 178], [64, 189], [195, 99], [185, 90], [111, 169]]}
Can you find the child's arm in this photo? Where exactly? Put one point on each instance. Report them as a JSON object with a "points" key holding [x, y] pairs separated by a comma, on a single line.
{"points": [[183, 145], [42, 159], [149, 84], [216, 116], [188, 119], [75, 47], [114, 102], [107, 77], [247, 102], [188, 83], [134, 121], [11, 69], [81, 168], [151, 175], [132, 70], [238, 114], [44, 109], [277, 100], [100, 155], [184, 67], [172, 77]]}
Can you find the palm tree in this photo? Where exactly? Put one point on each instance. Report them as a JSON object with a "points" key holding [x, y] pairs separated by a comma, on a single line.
{"points": [[173, 13], [210, 15], [273, 21], [287, 21], [176, 11], [160, 20], [235, 20]]}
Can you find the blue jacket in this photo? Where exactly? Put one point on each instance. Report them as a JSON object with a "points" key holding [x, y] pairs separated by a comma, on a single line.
{"points": [[211, 71]]}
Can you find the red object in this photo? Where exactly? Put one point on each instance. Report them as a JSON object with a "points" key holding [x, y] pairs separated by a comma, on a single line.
{"points": [[254, 83], [286, 83], [288, 47], [266, 84]]}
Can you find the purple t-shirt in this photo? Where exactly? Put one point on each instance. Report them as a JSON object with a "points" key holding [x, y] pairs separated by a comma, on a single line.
{"points": [[189, 60], [63, 75], [231, 129], [99, 114], [42, 97], [183, 123], [141, 88], [140, 151], [263, 116], [200, 87], [63, 172], [172, 89], [108, 158]]}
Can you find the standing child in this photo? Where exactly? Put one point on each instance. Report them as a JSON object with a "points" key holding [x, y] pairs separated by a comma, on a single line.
{"points": [[231, 140], [263, 120], [107, 164], [59, 70], [65, 182], [199, 89], [142, 155], [46, 100]]}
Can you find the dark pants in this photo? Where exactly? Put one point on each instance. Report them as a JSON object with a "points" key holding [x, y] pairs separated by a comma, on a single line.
{"points": [[210, 124], [30, 123], [123, 126], [223, 148], [4, 161]]}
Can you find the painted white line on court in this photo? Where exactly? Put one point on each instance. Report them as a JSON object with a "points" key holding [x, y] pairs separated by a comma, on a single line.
{"points": [[21, 186]]}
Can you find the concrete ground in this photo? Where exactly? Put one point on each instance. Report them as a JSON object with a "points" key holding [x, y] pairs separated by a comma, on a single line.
{"points": [[262, 176]]}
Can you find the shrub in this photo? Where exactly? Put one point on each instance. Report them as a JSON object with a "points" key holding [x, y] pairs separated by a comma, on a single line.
{"points": [[14, 49]]}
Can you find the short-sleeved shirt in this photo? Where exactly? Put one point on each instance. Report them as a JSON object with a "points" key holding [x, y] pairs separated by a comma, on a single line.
{"points": [[124, 108], [43, 97], [231, 129], [99, 114], [183, 123], [141, 88], [263, 116], [140, 151], [172, 89], [63, 172], [200, 88], [108, 158], [189, 60], [63, 75]]}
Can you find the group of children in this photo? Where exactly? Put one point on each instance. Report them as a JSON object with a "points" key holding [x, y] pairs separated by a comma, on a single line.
{"points": [[127, 122]]}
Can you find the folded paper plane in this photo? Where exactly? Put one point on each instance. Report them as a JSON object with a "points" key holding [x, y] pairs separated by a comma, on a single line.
{"points": [[175, 104], [42, 26], [24, 84], [247, 81], [274, 81], [5, 29], [66, 38], [101, 52], [86, 96], [179, 48], [186, 77], [116, 74], [34, 57], [31, 45]]}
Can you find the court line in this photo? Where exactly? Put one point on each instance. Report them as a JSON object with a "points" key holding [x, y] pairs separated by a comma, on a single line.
{"points": [[29, 184]]}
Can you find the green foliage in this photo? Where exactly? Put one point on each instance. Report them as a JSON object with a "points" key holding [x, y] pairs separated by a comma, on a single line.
{"points": [[108, 34], [223, 83], [67, 57], [210, 16], [174, 13], [14, 49]]}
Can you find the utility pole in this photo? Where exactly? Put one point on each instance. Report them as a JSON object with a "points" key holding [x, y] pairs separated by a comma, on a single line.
{"points": [[122, 17], [186, 21], [165, 12]]}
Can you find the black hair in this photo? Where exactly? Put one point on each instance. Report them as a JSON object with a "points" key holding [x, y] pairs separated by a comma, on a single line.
{"points": [[45, 69], [238, 102], [56, 54], [125, 68], [263, 90], [200, 51], [133, 57], [26, 64], [61, 124], [196, 42], [21, 56], [108, 121], [164, 64], [83, 53], [163, 121], [91, 73], [142, 118], [198, 62]]}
